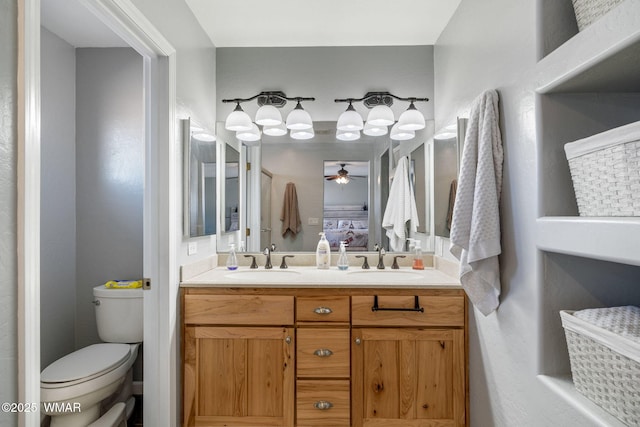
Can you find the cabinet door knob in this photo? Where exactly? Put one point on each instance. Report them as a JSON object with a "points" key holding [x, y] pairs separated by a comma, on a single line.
{"points": [[323, 352], [287, 340], [358, 341], [323, 405], [322, 310]]}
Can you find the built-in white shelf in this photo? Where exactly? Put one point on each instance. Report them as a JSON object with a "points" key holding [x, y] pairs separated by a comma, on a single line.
{"points": [[562, 385], [615, 239], [604, 57]]}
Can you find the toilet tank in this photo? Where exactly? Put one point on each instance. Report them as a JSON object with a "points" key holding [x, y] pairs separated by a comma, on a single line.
{"points": [[119, 315]]}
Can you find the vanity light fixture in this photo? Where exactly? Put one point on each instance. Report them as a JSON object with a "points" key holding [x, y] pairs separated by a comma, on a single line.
{"points": [[238, 120], [348, 135], [269, 116], [200, 133], [302, 133], [412, 119], [400, 134], [275, 130], [350, 120], [250, 135], [298, 119], [381, 115], [374, 130], [204, 136]]}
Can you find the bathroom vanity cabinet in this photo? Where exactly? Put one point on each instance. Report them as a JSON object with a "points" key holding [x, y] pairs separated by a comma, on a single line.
{"points": [[324, 357]]}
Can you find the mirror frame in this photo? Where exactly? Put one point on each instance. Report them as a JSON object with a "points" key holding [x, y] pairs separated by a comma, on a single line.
{"points": [[224, 238], [187, 183]]}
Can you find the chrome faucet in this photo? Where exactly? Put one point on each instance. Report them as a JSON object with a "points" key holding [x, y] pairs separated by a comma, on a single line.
{"points": [[267, 252], [381, 254]]}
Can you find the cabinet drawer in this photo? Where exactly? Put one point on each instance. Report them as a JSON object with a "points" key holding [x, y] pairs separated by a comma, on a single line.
{"points": [[323, 353], [322, 309], [323, 403], [439, 310], [238, 309]]}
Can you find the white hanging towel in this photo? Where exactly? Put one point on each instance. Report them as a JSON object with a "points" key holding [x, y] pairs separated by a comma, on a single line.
{"points": [[475, 232], [401, 207]]}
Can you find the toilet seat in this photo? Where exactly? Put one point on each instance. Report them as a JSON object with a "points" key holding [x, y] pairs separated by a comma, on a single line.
{"points": [[85, 364]]}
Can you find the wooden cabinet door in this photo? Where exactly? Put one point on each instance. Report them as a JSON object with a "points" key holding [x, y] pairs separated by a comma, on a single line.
{"points": [[408, 377], [238, 376]]}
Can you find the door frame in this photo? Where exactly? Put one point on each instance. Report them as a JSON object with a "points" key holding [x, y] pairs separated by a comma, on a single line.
{"points": [[161, 207]]}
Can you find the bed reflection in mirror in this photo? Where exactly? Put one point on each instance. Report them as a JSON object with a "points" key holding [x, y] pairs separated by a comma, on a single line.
{"points": [[346, 204]]}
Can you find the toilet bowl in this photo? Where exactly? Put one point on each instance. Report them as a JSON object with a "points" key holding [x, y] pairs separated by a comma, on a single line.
{"points": [[75, 388]]}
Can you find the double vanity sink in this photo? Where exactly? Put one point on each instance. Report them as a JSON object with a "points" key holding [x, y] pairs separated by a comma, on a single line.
{"points": [[307, 347], [313, 277]]}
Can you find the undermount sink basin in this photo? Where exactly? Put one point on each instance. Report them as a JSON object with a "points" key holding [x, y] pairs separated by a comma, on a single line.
{"points": [[386, 275], [262, 275]]}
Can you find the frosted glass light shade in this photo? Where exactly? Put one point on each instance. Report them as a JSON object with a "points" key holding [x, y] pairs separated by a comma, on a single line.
{"points": [[381, 115], [400, 134], [374, 130], [238, 120], [348, 135], [268, 115], [250, 135], [204, 136], [350, 120], [299, 119], [302, 133], [411, 119], [275, 130]]}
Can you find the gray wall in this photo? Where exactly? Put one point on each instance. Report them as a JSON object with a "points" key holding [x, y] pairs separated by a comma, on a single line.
{"points": [[195, 86], [325, 73], [492, 45], [109, 175], [58, 199], [8, 194]]}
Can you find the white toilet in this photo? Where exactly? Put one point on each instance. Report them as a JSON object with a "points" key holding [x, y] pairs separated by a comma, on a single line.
{"points": [[78, 388]]}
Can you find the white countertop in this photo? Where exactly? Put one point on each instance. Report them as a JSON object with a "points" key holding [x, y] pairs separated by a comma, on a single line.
{"points": [[311, 277]]}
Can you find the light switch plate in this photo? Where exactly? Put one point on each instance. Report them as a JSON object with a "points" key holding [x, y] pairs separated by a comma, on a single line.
{"points": [[192, 249]]}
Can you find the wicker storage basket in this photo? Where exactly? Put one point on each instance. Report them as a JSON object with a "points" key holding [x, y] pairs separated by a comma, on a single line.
{"points": [[605, 169], [588, 11], [604, 351]]}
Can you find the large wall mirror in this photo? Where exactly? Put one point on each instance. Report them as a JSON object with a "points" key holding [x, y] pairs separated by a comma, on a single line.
{"points": [[200, 181], [313, 167], [447, 149]]}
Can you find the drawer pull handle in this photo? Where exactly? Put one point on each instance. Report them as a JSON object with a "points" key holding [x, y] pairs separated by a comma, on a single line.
{"points": [[323, 352], [323, 405], [322, 310], [416, 306]]}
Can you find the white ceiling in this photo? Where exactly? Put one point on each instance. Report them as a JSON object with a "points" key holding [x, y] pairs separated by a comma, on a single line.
{"points": [[241, 23], [237, 23]]}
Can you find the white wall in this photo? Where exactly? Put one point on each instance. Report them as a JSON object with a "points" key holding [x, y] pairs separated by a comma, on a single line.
{"points": [[58, 199], [109, 175], [8, 217]]}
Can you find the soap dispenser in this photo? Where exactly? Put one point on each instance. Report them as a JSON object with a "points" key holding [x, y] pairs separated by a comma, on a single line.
{"points": [[323, 253], [418, 264], [232, 260], [343, 261]]}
